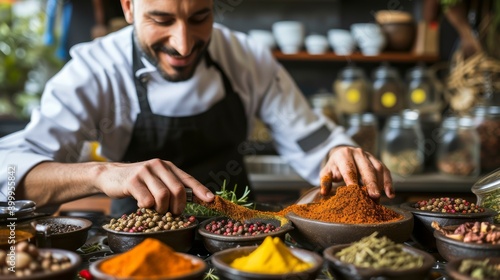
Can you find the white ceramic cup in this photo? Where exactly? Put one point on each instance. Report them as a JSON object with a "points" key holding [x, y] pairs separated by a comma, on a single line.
{"points": [[289, 35], [264, 37]]}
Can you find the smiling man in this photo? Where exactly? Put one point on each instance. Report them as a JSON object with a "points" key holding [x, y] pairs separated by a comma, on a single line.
{"points": [[171, 99]]}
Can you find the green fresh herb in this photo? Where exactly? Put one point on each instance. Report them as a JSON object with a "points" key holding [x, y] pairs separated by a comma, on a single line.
{"points": [[210, 275], [90, 247], [201, 211]]}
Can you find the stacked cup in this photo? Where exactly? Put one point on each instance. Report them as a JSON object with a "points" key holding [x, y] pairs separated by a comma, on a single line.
{"points": [[289, 35], [370, 38]]}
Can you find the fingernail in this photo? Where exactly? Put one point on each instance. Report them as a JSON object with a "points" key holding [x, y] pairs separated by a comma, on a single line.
{"points": [[210, 195]]}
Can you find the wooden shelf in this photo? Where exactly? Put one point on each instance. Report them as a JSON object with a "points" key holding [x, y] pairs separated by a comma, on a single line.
{"points": [[401, 57]]}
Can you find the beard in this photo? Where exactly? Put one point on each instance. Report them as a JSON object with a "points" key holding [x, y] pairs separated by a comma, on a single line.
{"points": [[180, 73]]}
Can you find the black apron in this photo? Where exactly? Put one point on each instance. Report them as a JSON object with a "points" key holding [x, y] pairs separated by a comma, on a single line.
{"points": [[204, 145]]}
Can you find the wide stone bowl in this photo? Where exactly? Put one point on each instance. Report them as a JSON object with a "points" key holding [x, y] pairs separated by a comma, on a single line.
{"points": [[451, 249], [317, 235], [453, 267], [423, 233], [180, 240], [64, 274], [221, 261], [197, 274], [347, 271], [71, 240], [217, 242]]}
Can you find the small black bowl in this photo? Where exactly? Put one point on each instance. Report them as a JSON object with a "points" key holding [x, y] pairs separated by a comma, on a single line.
{"points": [[71, 240], [222, 259], [423, 233], [451, 249], [347, 271], [453, 267], [216, 242], [180, 240]]}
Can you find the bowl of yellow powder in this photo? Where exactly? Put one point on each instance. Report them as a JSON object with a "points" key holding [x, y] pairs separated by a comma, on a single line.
{"points": [[270, 260], [150, 259]]}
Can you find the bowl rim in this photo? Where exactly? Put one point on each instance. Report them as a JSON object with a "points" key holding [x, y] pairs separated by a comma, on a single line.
{"points": [[190, 227], [488, 212], [96, 272], [440, 237], [329, 255], [87, 224], [452, 266], [74, 258], [232, 238], [407, 215], [216, 261]]}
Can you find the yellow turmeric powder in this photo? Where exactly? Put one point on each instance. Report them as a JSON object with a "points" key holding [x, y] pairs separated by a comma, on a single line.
{"points": [[271, 257], [149, 259]]}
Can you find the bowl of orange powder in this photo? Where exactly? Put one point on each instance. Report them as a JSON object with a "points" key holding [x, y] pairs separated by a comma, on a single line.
{"points": [[150, 259], [345, 217]]}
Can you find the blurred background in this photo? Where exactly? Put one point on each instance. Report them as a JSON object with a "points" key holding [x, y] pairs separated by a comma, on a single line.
{"points": [[414, 82]]}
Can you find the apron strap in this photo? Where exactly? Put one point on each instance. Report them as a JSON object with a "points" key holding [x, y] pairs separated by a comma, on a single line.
{"points": [[140, 83]]}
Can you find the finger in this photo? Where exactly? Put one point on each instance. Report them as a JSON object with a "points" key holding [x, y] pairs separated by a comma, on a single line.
{"points": [[167, 188], [347, 167], [141, 193], [326, 184], [199, 190], [388, 185], [367, 172]]}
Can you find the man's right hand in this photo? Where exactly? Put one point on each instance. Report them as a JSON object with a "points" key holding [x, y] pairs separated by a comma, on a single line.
{"points": [[153, 183]]}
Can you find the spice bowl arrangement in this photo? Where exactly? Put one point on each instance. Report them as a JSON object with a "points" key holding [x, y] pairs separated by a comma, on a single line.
{"points": [[270, 260], [474, 240], [221, 233], [318, 235], [467, 268], [126, 232], [62, 232], [423, 232], [375, 257]]}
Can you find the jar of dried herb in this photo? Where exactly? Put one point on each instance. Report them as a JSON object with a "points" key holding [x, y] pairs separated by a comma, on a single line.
{"points": [[488, 126], [458, 147], [388, 91], [352, 90], [363, 129], [487, 190], [402, 144]]}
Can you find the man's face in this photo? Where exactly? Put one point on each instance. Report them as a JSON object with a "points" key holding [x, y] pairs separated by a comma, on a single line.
{"points": [[174, 34]]}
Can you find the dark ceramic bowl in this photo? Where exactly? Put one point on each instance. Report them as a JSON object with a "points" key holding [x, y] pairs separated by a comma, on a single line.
{"points": [[69, 240], [452, 268], [400, 36], [63, 274], [216, 242], [197, 274], [451, 249], [222, 259], [317, 235], [180, 240], [423, 233], [342, 270]]}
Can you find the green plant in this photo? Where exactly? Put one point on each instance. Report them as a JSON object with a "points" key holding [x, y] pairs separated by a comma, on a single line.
{"points": [[198, 210], [21, 51]]}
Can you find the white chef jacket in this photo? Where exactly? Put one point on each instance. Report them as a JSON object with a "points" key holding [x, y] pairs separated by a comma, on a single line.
{"points": [[93, 98]]}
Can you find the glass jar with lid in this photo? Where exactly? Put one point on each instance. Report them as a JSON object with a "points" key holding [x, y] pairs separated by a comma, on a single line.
{"points": [[401, 144], [352, 89], [363, 129], [458, 150], [423, 93], [487, 190], [388, 91], [487, 120]]}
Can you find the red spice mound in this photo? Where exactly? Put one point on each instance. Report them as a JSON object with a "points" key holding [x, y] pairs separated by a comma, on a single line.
{"points": [[350, 205]]}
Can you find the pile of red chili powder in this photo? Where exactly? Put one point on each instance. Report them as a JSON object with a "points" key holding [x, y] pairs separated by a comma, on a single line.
{"points": [[350, 205]]}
